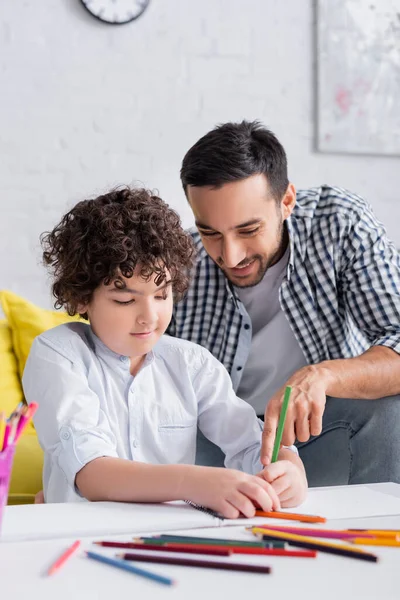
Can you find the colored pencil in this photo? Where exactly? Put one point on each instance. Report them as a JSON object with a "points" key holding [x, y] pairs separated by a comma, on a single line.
{"points": [[377, 531], [187, 539], [319, 533], [25, 418], [168, 546], [376, 542], [287, 516], [235, 546], [60, 562], [6, 436], [281, 424], [16, 410], [301, 541], [191, 562], [120, 564], [184, 548], [2, 429], [13, 429], [382, 533], [257, 551]]}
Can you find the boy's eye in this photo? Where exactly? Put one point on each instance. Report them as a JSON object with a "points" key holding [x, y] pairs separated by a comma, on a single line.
{"points": [[162, 297], [209, 233], [124, 303]]}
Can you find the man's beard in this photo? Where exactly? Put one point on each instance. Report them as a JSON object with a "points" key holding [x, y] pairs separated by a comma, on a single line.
{"points": [[263, 263]]}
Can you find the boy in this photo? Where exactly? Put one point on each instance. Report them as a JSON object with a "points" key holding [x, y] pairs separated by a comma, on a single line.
{"points": [[119, 401]]}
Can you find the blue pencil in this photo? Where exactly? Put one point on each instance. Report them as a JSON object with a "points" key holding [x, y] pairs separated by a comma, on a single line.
{"points": [[121, 564]]}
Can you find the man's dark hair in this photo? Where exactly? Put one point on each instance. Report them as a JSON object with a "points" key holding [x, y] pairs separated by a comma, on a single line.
{"points": [[233, 152], [98, 240]]}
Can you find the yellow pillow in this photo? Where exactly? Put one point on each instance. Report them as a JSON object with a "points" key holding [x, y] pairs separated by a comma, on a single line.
{"points": [[27, 321], [10, 385], [26, 477]]}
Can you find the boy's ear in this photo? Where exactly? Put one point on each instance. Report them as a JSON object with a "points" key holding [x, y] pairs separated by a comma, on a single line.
{"points": [[81, 309]]}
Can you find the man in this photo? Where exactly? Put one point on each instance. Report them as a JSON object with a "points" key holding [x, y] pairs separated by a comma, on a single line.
{"points": [[299, 289]]}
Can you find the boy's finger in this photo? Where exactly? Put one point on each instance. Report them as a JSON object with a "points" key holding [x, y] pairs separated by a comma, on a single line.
{"points": [[273, 496], [273, 471], [281, 485]]}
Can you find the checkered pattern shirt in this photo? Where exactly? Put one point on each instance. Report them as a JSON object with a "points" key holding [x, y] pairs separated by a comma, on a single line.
{"points": [[341, 293]]}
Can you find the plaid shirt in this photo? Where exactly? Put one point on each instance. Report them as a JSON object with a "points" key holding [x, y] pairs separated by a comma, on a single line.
{"points": [[341, 293]]}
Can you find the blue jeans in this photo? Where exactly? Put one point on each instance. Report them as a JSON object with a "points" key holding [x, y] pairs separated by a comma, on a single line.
{"points": [[359, 443]]}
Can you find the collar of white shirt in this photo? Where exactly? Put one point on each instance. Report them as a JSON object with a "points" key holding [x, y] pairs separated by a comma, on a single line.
{"points": [[113, 359]]}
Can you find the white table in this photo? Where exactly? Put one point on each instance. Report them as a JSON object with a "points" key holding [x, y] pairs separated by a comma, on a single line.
{"points": [[23, 566]]}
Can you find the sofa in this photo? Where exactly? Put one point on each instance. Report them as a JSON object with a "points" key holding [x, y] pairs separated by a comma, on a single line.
{"points": [[22, 323]]}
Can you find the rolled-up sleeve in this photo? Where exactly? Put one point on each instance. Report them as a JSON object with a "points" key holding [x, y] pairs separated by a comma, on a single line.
{"points": [[72, 428], [370, 280]]}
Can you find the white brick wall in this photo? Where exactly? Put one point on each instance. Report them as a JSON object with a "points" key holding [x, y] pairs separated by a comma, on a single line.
{"points": [[85, 106]]}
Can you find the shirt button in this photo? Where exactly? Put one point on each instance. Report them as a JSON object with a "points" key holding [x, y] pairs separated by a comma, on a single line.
{"points": [[239, 368], [247, 326], [66, 435], [123, 358], [135, 444]]}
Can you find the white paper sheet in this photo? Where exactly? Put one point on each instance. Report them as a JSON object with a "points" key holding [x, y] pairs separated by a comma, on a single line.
{"points": [[349, 502], [89, 519]]}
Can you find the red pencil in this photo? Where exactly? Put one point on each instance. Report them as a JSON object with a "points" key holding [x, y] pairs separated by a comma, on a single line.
{"points": [[260, 551], [63, 558], [185, 548], [210, 550]]}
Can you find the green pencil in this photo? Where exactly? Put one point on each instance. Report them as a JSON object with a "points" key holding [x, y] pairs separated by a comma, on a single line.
{"points": [[281, 424]]}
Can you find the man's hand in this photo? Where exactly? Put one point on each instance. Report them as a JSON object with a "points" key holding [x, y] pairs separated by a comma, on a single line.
{"points": [[288, 479], [305, 411]]}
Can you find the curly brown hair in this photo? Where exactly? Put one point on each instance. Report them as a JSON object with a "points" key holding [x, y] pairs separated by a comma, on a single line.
{"points": [[100, 239]]}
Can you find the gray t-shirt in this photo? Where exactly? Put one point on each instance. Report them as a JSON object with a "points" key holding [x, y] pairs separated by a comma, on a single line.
{"points": [[275, 353]]}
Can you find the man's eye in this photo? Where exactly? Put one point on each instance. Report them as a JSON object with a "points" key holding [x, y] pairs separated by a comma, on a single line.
{"points": [[124, 303], [163, 297], [249, 231]]}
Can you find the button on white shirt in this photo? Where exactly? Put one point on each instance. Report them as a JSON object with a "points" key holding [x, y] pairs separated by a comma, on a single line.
{"points": [[91, 406]]}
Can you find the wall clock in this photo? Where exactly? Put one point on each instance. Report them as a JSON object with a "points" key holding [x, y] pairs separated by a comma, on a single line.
{"points": [[116, 12]]}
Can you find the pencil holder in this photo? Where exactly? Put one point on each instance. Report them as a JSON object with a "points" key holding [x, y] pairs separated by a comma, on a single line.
{"points": [[6, 461]]}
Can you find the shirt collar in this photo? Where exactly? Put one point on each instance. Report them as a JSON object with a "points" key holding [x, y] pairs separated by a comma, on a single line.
{"points": [[290, 229]]}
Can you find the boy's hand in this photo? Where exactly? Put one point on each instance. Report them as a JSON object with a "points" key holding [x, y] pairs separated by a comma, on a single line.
{"points": [[229, 492], [288, 480]]}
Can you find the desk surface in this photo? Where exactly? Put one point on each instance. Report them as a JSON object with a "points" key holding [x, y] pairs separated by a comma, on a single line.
{"points": [[23, 566]]}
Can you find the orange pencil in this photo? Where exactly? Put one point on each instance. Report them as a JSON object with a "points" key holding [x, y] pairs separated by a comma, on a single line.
{"points": [[290, 516], [63, 558], [375, 542], [379, 533]]}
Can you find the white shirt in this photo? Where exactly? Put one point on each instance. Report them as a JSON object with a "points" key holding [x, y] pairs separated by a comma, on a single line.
{"points": [[275, 354], [91, 406]]}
